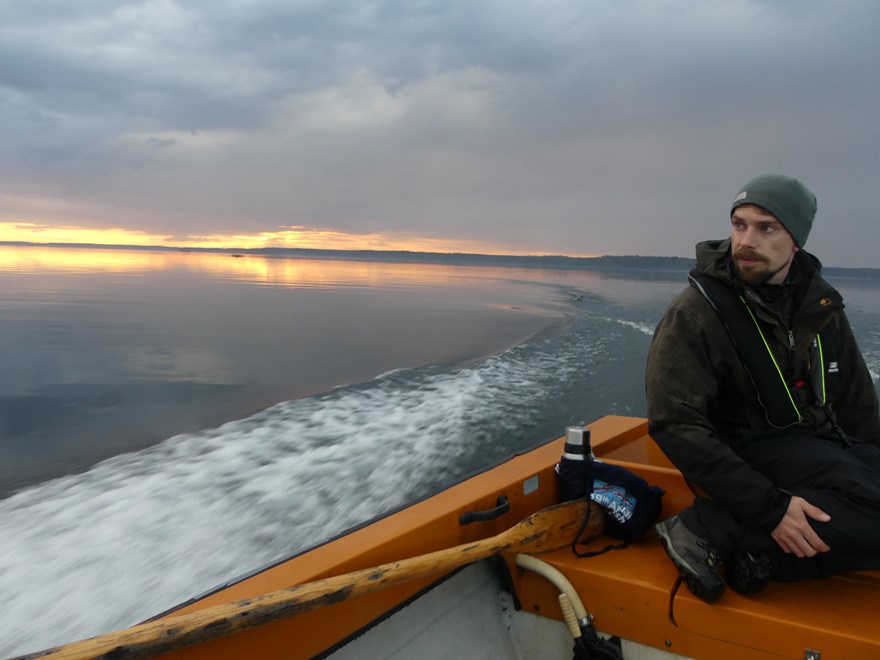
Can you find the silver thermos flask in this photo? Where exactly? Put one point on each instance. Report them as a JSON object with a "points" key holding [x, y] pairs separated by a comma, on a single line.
{"points": [[577, 444]]}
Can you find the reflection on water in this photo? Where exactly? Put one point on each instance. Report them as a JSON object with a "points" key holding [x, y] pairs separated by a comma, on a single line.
{"points": [[255, 269], [28, 260], [106, 351], [304, 272]]}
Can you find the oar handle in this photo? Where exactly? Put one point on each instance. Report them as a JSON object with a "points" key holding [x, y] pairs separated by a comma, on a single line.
{"points": [[548, 529]]}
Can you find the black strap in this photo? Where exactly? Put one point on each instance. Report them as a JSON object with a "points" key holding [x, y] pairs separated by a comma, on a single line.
{"points": [[577, 538]]}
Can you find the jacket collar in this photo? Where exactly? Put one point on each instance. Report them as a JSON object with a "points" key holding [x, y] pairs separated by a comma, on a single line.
{"points": [[817, 296]]}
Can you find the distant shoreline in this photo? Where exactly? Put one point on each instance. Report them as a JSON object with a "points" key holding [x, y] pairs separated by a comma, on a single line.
{"points": [[605, 262], [632, 262]]}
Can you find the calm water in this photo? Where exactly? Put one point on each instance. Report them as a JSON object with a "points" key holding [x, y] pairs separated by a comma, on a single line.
{"points": [[107, 351], [173, 420]]}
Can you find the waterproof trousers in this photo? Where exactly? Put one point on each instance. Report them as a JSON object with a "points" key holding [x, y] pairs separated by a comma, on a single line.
{"points": [[841, 478]]}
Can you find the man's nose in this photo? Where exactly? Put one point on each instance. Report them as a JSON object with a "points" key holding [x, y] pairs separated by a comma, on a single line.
{"points": [[750, 237]]}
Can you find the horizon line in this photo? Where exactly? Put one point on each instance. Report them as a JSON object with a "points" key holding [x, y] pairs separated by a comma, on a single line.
{"points": [[123, 246]]}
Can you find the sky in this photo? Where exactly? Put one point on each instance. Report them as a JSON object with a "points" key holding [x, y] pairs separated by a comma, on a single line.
{"points": [[577, 127]]}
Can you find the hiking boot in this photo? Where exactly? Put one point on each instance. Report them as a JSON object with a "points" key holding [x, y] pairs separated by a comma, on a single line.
{"points": [[749, 573], [694, 557]]}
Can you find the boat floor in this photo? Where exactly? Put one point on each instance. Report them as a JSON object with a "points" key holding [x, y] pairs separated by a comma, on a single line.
{"points": [[470, 615]]}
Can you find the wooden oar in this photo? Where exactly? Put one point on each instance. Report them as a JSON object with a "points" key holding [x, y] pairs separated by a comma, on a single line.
{"points": [[549, 529]]}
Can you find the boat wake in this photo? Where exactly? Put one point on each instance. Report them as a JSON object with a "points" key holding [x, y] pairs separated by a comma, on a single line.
{"points": [[136, 534], [645, 328]]}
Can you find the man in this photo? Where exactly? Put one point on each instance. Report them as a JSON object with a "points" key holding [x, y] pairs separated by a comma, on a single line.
{"points": [[759, 394]]}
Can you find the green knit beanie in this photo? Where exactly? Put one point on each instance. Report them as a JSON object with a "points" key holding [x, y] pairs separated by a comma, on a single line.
{"points": [[786, 198]]}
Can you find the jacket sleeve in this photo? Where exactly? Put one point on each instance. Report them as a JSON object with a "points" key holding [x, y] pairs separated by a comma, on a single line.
{"points": [[856, 409], [682, 385]]}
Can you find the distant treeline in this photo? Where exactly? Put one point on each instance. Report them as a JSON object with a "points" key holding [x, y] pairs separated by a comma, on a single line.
{"points": [[858, 273], [462, 258], [610, 263]]}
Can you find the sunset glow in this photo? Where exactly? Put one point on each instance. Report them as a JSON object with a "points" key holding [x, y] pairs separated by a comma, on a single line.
{"points": [[287, 237], [255, 269]]}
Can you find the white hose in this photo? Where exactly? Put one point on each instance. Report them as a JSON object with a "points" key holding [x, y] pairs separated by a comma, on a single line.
{"points": [[561, 582]]}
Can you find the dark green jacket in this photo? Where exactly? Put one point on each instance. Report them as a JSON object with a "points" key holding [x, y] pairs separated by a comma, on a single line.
{"points": [[702, 405]]}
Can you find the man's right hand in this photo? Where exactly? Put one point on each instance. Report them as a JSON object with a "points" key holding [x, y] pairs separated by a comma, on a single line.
{"points": [[794, 534]]}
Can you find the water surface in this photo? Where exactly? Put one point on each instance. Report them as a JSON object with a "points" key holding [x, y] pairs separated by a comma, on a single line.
{"points": [[107, 351], [340, 390]]}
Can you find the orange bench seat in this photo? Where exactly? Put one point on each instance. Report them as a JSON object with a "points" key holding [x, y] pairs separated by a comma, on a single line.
{"points": [[636, 594]]}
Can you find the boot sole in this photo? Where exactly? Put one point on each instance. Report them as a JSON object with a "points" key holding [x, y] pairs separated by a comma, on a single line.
{"points": [[698, 588], [749, 574]]}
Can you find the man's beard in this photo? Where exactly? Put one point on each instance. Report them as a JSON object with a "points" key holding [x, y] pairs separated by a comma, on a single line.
{"points": [[754, 278]]}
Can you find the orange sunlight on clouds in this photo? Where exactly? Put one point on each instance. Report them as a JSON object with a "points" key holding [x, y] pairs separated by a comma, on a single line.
{"points": [[39, 233]]}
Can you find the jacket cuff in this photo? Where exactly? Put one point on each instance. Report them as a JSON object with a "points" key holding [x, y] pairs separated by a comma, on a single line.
{"points": [[774, 512]]}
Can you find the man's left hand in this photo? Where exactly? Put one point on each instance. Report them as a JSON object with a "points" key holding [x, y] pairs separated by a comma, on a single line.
{"points": [[794, 533]]}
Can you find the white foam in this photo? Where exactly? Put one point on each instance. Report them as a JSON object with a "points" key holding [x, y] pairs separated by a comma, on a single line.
{"points": [[872, 359], [135, 535], [644, 328], [872, 356]]}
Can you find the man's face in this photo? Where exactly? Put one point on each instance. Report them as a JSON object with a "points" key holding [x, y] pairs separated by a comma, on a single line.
{"points": [[762, 248]]}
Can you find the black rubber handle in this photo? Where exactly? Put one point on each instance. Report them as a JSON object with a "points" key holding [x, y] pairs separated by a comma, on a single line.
{"points": [[475, 516]]}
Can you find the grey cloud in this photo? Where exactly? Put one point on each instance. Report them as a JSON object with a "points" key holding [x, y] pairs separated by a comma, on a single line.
{"points": [[622, 124], [155, 143]]}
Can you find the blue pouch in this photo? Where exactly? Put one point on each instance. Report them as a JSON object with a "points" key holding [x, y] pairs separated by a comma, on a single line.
{"points": [[631, 505]]}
